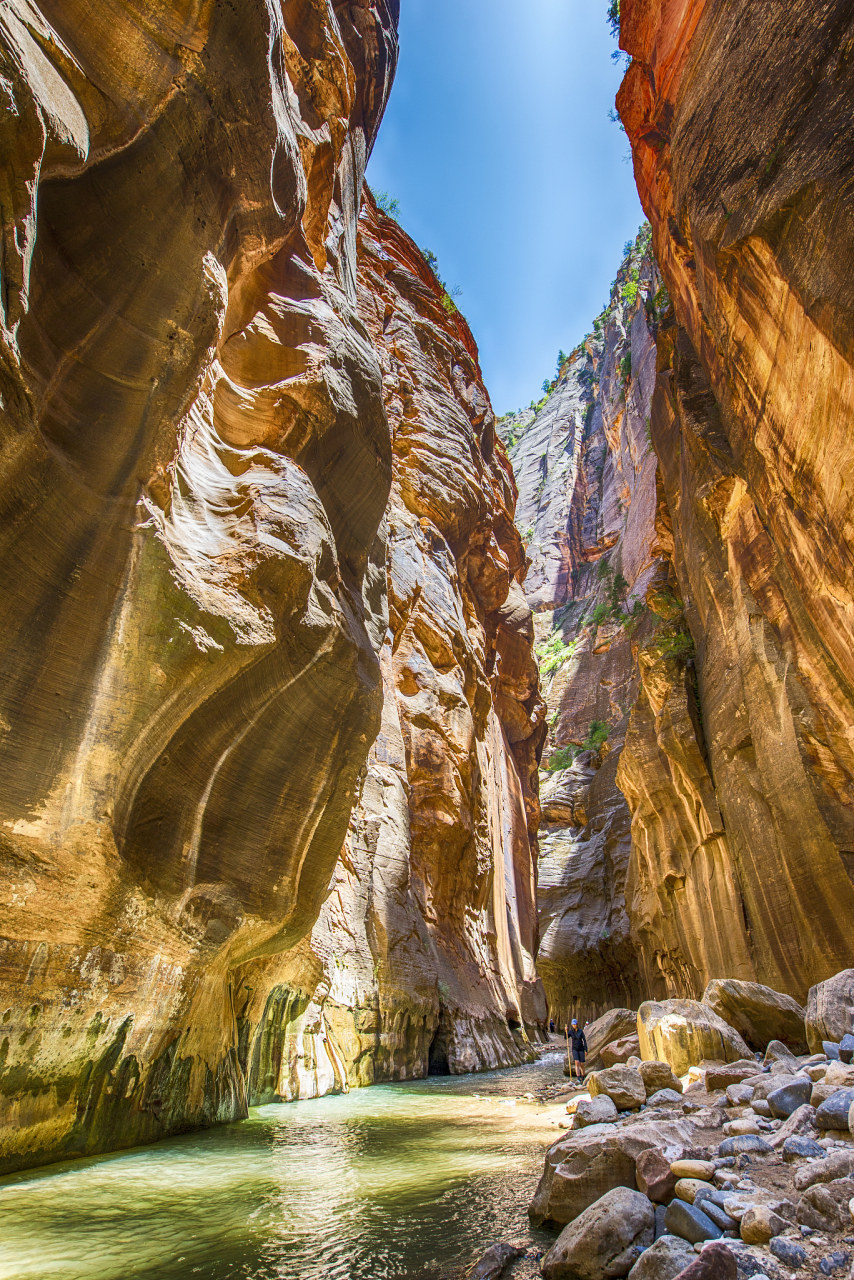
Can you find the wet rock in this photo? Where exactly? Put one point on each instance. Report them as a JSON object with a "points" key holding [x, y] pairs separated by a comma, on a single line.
{"points": [[799, 1147], [833, 1112], [599, 1110], [689, 1222], [494, 1263], [716, 1262], [657, 1076], [682, 1032], [655, 1177], [664, 1259], [606, 1240], [824, 1207], [623, 1085], [789, 1252], [758, 1013], [796, 1093], [760, 1224], [830, 1010], [836, 1164], [745, 1144]]}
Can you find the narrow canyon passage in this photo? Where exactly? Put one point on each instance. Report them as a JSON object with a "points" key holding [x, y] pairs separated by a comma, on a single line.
{"points": [[426, 833]]}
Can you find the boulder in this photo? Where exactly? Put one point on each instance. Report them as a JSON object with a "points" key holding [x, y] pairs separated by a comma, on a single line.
{"points": [[713, 1210], [760, 1108], [657, 1076], [794, 1093], [851, 1118], [702, 1169], [623, 1085], [846, 1048], [664, 1097], [801, 1121], [716, 1262], [495, 1261], [654, 1175], [758, 1013], [830, 1010], [619, 1051], [745, 1144], [739, 1094], [833, 1112], [833, 1262], [582, 1165], [686, 1188], [800, 1148], [740, 1072], [599, 1110], [779, 1056], [760, 1224], [682, 1032], [663, 1260], [689, 1222], [744, 1124], [824, 1207], [830, 1049], [606, 1240], [613, 1025], [788, 1252], [836, 1164]]}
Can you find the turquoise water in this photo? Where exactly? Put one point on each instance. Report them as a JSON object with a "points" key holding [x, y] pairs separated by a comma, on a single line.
{"points": [[408, 1180]]}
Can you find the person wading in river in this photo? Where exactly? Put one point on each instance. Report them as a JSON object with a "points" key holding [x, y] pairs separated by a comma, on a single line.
{"points": [[579, 1047]]}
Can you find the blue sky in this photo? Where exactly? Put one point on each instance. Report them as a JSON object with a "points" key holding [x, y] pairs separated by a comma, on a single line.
{"points": [[497, 144]]}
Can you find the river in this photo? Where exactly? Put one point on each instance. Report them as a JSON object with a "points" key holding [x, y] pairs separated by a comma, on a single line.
{"points": [[406, 1180]]}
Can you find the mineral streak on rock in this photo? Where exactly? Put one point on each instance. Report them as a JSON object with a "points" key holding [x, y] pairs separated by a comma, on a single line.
{"points": [[422, 958], [751, 422]]}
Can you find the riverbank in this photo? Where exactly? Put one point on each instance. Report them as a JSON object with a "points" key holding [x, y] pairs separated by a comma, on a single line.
{"points": [[406, 1181]]}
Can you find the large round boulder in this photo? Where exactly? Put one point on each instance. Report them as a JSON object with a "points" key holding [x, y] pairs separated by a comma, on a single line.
{"points": [[758, 1013], [605, 1241], [616, 1024], [658, 1075], [623, 1085], [619, 1051], [684, 1032], [830, 1010]]}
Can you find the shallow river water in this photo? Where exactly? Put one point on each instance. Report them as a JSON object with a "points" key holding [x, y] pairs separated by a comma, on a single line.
{"points": [[404, 1180]]}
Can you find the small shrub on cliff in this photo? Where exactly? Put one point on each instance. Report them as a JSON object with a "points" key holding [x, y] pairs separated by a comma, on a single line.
{"points": [[596, 736], [553, 653], [630, 288], [614, 18], [562, 758], [600, 613], [388, 204], [625, 368]]}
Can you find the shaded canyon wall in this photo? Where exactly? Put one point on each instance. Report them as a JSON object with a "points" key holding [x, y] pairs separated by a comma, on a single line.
{"points": [[204, 629]]}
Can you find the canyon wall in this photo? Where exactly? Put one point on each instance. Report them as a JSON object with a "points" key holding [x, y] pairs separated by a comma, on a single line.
{"points": [[711, 833], [211, 610]]}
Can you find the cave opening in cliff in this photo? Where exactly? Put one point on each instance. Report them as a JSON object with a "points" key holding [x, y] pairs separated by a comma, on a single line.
{"points": [[437, 1056]]}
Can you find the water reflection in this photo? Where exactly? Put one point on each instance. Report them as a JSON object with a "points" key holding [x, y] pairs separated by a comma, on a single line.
{"points": [[390, 1182]]}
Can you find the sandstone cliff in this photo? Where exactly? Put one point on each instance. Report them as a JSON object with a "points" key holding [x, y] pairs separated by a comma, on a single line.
{"points": [[751, 422], [720, 666], [197, 647]]}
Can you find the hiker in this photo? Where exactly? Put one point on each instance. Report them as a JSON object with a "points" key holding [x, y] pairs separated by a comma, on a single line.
{"points": [[579, 1048]]}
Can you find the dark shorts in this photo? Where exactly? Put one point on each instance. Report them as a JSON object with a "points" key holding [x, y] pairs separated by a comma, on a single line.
{"points": [[578, 1055]]}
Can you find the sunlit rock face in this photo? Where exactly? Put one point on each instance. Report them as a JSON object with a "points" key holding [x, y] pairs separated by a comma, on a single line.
{"points": [[751, 422], [422, 957], [587, 507], [197, 462]]}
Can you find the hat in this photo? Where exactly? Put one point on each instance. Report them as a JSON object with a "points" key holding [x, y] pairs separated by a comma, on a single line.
{"points": [[575, 1022]]}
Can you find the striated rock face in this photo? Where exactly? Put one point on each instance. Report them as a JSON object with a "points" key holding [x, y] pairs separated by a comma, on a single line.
{"points": [[587, 507], [422, 958], [204, 628], [750, 422]]}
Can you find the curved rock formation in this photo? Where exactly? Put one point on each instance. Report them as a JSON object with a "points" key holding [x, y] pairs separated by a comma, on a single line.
{"points": [[196, 387]]}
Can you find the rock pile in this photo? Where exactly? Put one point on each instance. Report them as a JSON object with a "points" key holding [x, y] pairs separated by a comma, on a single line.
{"points": [[746, 1161]]}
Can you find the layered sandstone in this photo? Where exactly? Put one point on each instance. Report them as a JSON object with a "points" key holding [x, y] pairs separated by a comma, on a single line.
{"points": [[198, 648], [422, 958], [750, 421]]}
